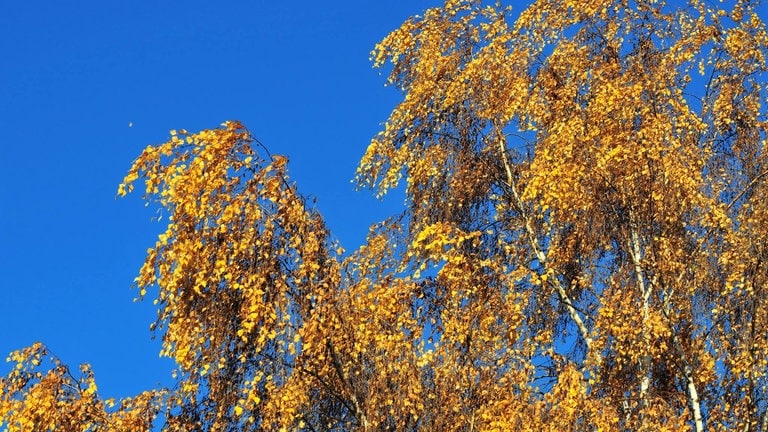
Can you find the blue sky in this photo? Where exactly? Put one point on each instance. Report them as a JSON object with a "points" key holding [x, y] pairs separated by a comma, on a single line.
{"points": [[74, 75]]}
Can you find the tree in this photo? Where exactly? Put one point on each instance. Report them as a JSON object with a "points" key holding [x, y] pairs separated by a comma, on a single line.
{"points": [[58, 400], [583, 244]]}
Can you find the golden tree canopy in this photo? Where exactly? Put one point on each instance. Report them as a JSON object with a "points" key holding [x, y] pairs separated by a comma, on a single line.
{"points": [[582, 247]]}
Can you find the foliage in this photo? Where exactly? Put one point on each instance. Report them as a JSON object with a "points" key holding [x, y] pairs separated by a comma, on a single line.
{"points": [[32, 400], [583, 244]]}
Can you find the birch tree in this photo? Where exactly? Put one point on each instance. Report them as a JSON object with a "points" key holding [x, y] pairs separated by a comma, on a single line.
{"points": [[609, 159]]}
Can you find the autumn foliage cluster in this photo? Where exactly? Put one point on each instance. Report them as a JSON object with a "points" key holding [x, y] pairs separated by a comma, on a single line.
{"points": [[583, 247]]}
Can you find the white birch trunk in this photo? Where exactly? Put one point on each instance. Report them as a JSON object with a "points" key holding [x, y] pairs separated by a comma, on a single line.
{"points": [[693, 394], [645, 291]]}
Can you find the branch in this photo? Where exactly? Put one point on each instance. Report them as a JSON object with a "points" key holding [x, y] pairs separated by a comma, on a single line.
{"points": [[315, 375], [746, 188], [340, 371], [693, 394], [540, 256]]}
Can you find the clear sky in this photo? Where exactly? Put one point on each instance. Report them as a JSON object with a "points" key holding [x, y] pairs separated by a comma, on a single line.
{"points": [[75, 75]]}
